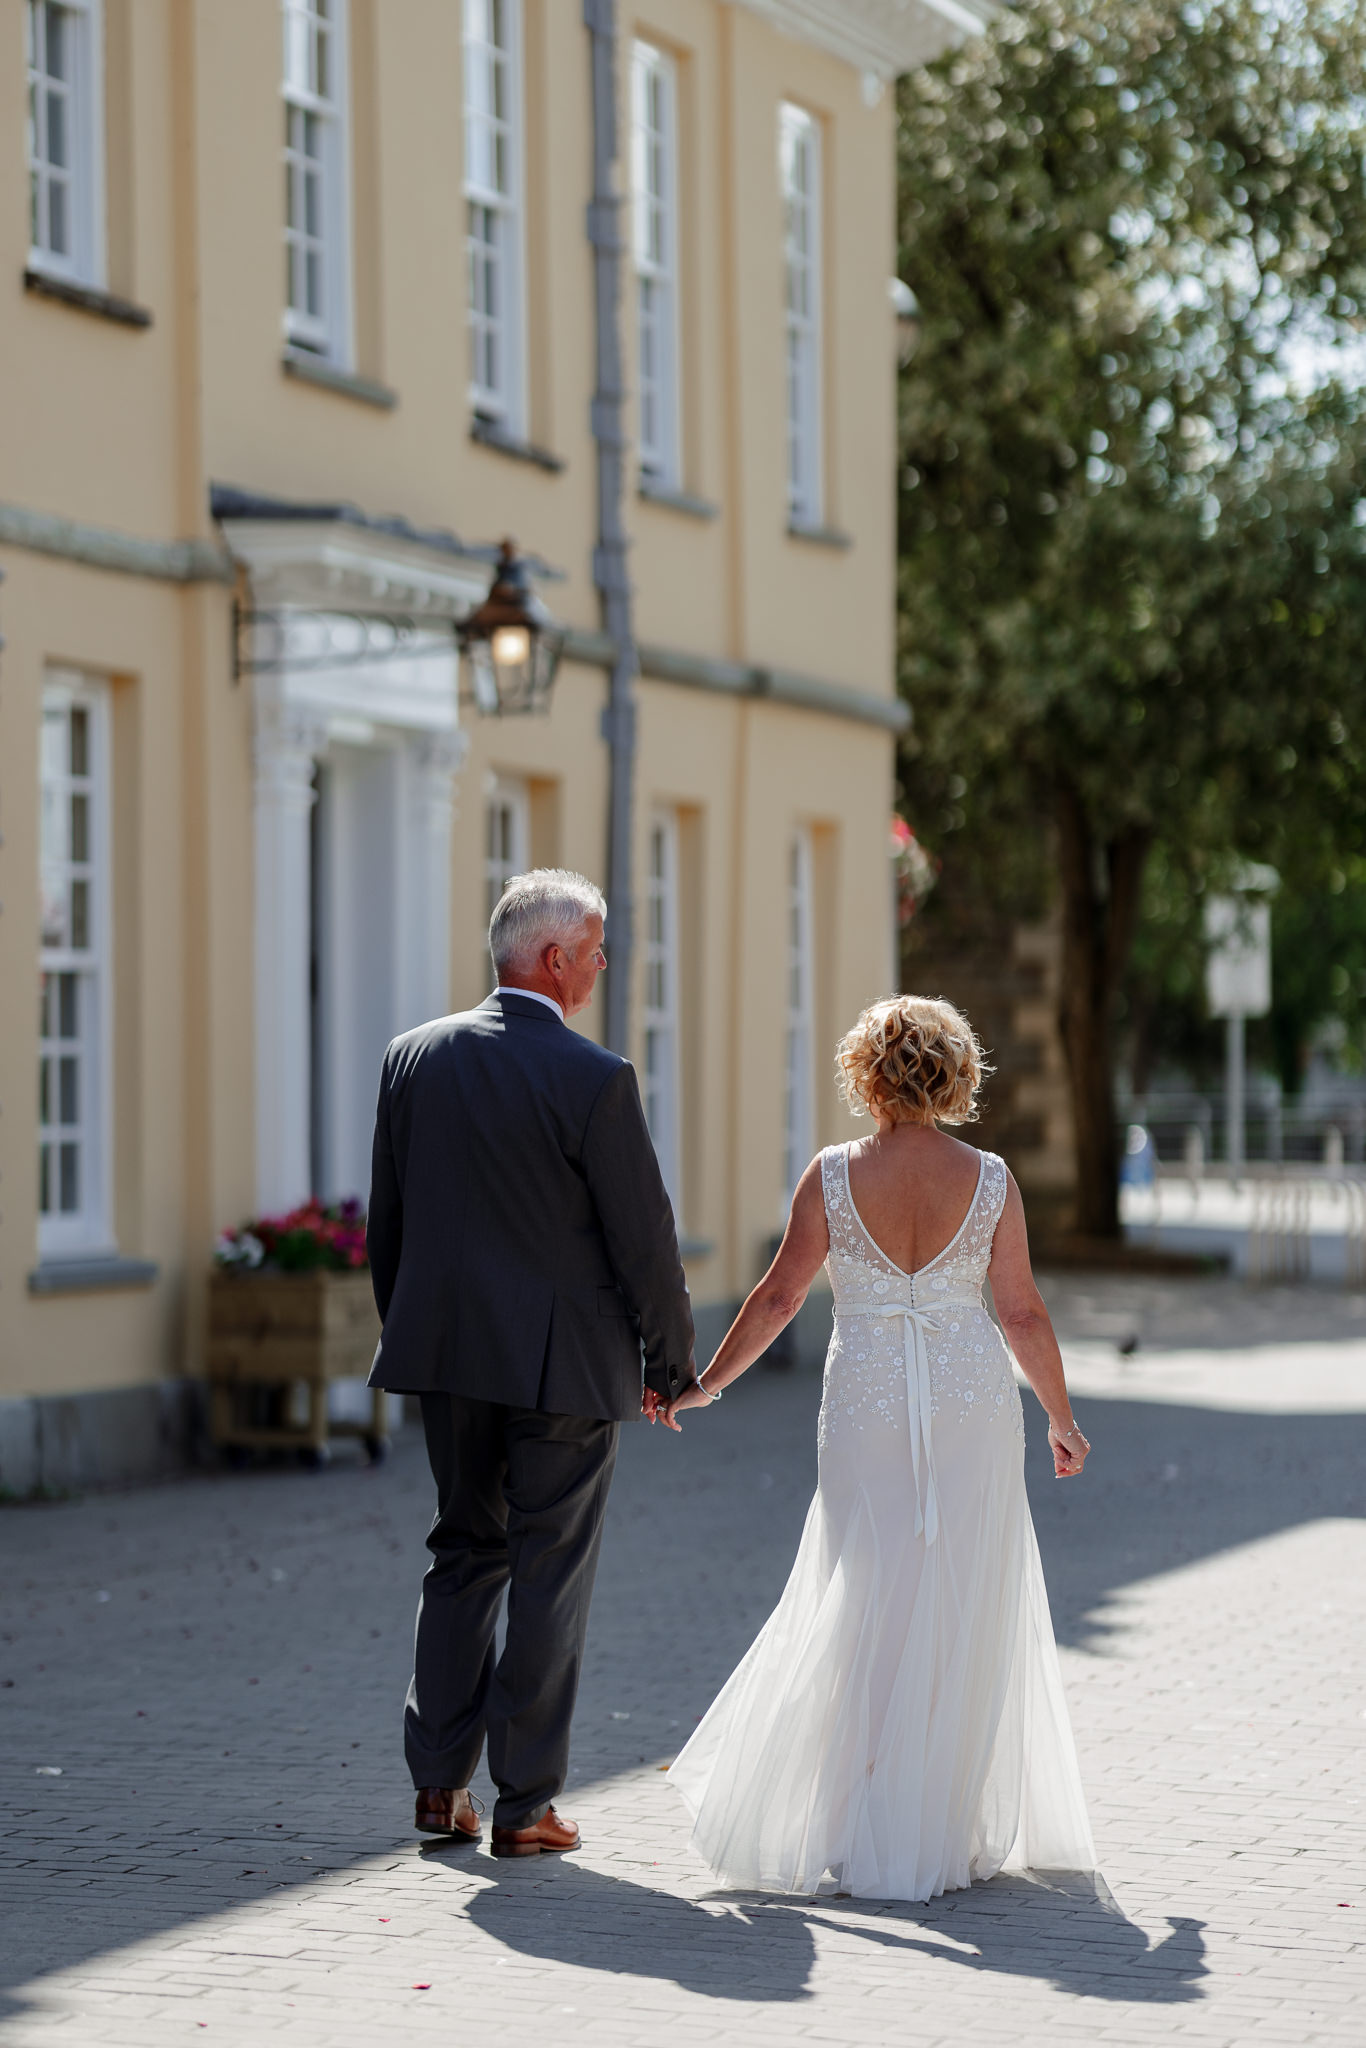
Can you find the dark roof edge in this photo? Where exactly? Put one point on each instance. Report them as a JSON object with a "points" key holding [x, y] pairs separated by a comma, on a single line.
{"points": [[229, 501]]}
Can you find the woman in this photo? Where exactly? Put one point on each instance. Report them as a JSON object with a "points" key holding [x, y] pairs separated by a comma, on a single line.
{"points": [[898, 1726]]}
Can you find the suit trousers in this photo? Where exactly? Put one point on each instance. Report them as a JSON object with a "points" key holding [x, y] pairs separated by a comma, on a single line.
{"points": [[521, 1497]]}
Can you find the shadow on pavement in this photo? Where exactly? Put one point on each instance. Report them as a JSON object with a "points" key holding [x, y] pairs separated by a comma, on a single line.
{"points": [[1168, 1485], [1085, 1948], [590, 1920], [763, 1947]]}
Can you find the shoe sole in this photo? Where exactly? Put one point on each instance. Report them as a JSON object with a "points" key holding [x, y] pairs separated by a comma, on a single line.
{"points": [[534, 1848], [447, 1834]]}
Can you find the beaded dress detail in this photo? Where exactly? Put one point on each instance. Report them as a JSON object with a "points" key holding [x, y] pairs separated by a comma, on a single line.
{"points": [[898, 1727]]}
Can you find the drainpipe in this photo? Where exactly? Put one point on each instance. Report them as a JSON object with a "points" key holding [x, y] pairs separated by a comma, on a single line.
{"points": [[610, 575]]}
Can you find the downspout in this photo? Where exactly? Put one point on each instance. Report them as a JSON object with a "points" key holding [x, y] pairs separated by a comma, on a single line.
{"points": [[610, 575]]}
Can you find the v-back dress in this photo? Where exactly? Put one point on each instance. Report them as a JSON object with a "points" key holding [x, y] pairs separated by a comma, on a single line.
{"points": [[898, 1727]]}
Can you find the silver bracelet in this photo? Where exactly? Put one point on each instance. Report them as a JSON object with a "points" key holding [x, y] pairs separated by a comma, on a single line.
{"points": [[706, 1389]]}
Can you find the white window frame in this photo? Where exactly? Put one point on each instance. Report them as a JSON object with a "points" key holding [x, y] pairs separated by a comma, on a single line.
{"points": [[86, 1229], [800, 173], [500, 399], [326, 332], [660, 1086], [507, 836], [654, 185], [84, 261], [799, 1096]]}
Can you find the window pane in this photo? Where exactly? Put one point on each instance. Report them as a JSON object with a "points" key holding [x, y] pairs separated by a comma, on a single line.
{"points": [[70, 1179], [67, 1006], [69, 1110], [45, 1180], [80, 914], [45, 1091], [56, 42], [56, 129], [80, 826], [58, 233], [80, 740]]}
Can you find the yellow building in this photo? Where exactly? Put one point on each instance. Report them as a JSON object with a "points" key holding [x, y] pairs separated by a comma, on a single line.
{"points": [[297, 295]]}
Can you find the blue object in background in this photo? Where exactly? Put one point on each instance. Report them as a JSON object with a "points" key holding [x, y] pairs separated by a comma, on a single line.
{"points": [[1138, 1168]]}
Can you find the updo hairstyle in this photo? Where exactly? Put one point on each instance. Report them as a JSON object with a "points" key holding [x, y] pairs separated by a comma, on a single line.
{"points": [[913, 1059]]}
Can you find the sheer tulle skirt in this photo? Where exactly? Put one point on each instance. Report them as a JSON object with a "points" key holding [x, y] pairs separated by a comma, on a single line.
{"points": [[898, 1727]]}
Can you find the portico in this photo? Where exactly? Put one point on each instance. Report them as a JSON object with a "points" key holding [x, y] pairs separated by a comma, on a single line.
{"points": [[348, 646]]}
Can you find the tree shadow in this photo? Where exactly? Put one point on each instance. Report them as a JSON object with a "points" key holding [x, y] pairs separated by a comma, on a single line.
{"points": [[1169, 1485], [1083, 1946]]}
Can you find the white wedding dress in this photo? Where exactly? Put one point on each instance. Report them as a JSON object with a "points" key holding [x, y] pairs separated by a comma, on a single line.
{"points": [[898, 1728]]}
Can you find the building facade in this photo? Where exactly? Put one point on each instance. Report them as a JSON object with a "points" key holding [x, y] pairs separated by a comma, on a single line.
{"points": [[301, 315]]}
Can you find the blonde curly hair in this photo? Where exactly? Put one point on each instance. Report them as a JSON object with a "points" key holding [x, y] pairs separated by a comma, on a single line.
{"points": [[912, 1060]]}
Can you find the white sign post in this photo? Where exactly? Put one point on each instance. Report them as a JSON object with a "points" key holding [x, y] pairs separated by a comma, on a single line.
{"points": [[1238, 983]]}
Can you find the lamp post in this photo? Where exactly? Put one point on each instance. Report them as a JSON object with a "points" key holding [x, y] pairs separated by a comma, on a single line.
{"points": [[512, 642]]}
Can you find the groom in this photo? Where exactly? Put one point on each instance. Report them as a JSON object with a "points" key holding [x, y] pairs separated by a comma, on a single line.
{"points": [[523, 1251]]}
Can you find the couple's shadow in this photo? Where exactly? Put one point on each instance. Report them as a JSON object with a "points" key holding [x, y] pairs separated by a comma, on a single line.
{"points": [[565, 1912]]}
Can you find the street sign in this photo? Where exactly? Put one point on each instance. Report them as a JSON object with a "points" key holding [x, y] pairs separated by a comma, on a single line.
{"points": [[1238, 965]]}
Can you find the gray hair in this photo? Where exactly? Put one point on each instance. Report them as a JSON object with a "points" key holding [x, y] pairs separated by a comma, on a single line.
{"points": [[548, 907]]}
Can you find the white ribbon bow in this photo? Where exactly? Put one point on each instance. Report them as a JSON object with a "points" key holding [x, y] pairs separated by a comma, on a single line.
{"points": [[917, 1322]]}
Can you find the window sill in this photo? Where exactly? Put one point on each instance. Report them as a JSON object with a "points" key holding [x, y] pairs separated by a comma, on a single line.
{"points": [[86, 298], [696, 1247], [675, 501], [818, 536], [489, 436], [314, 370], [90, 1276]]}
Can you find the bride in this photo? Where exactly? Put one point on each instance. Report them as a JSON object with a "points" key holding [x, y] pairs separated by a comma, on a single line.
{"points": [[898, 1727]]}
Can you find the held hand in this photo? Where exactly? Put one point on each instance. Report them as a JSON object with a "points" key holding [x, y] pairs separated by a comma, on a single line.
{"points": [[1069, 1448], [691, 1397], [650, 1404]]}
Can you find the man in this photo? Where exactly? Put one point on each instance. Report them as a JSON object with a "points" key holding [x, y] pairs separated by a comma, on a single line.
{"points": [[523, 1251]]}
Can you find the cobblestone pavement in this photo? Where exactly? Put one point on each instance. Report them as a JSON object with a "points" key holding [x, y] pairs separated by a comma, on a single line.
{"points": [[216, 1668]]}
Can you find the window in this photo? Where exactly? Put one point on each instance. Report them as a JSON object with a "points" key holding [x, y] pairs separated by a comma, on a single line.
{"points": [[654, 180], [493, 187], [73, 1152], [799, 1110], [660, 1091], [317, 268], [506, 823], [799, 154], [66, 139]]}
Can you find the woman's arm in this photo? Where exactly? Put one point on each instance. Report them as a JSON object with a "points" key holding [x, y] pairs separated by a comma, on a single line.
{"points": [[774, 1301], [1025, 1320]]}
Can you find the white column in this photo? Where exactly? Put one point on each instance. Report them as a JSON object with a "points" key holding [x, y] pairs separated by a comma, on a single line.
{"points": [[425, 910], [286, 745]]}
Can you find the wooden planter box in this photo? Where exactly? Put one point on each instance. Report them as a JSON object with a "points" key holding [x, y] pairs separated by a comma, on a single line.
{"points": [[276, 1336]]}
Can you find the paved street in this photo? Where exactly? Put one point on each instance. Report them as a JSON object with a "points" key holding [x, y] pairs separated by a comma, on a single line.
{"points": [[216, 1669]]}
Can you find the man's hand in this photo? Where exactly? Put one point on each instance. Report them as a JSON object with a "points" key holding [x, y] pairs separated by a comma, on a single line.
{"points": [[649, 1404]]}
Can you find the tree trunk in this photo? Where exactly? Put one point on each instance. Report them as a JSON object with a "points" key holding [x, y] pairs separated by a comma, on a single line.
{"points": [[1101, 878]]}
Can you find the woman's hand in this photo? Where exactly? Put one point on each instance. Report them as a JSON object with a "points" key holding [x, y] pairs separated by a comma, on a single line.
{"points": [[691, 1397], [1069, 1448]]}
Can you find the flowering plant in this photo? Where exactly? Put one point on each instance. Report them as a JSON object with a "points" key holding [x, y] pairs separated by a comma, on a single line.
{"points": [[328, 1235], [915, 868]]}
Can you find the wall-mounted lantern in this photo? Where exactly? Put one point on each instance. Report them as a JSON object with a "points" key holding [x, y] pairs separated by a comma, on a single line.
{"points": [[512, 642]]}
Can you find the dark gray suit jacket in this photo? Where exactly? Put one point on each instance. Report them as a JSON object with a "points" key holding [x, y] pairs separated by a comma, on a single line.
{"points": [[522, 1246]]}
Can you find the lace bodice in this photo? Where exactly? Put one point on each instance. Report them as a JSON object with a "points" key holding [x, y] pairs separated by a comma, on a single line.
{"points": [[968, 1365]]}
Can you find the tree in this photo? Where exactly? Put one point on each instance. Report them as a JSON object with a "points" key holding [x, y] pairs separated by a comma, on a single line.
{"points": [[1131, 577]]}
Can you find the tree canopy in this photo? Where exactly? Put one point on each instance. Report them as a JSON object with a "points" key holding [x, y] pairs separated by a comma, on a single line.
{"points": [[1132, 587]]}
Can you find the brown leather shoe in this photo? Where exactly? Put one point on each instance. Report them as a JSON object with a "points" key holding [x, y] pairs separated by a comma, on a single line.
{"points": [[441, 1811], [549, 1835]]}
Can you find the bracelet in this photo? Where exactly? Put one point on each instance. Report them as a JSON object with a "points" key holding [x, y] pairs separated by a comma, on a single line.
{"points": [[706, 1389]]}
